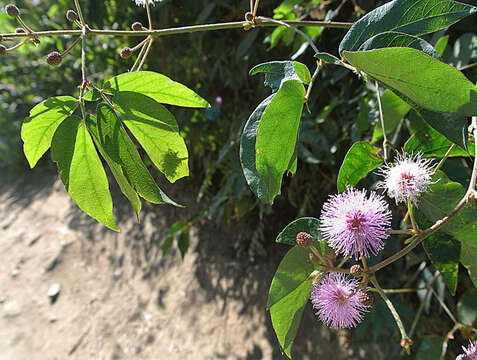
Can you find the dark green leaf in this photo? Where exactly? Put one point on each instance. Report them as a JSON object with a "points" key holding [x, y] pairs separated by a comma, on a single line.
{"points": [[126, 188], [430, 348], [428, 82], [468, 258], [38, 129], [157, 86], [120, 149], [183, 241], [329, 58], [359, 161], [156, 130], [279, 72], [81, 170], [413, 17], [177, 226], [166, 247], [277, 135], [289, 293], [467, 307]]}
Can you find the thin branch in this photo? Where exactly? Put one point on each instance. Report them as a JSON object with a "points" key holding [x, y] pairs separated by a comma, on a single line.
{"points": [[148, 10], [145, 55], [411, 215], [139, 57], [67, 51], [447, 154], [186, 29], [312, 81], [80, 12]]}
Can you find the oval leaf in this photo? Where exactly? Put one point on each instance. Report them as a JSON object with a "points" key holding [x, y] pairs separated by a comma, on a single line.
{"points": [[38, 129], [359, 161], [413, 17], [156, 130], [81, 170], [277, 134], [157, 86], [431, 84], [278, 72]]}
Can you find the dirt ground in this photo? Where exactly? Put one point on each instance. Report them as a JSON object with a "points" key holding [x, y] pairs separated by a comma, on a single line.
{"points": [[121, 299]]}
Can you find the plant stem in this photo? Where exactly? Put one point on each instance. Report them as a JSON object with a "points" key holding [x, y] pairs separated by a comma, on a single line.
{"points": [[148, 10], [451, 148], [139, 57], [444, 306], [381, 117], [397, 291], [312, 81], [450, 335], [393, 311], [344, 261], [317, 253], [185, 29], [401, 232], [145, 55], [13, 48], [80, 12], [76, 42], [411, 215]]}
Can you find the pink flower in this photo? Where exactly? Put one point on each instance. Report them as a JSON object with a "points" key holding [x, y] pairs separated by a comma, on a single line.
{"points": [[409, 177], [354, 224], [470, 352], [336, 301]]}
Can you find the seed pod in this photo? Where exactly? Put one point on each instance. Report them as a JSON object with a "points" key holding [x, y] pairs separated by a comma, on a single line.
{"points": [[71, 15], [126, 53], [3, 50], [12, 10], [20, 30], [366, 299], [356, 270], [137, 26], [304, 239], [54, 58]]}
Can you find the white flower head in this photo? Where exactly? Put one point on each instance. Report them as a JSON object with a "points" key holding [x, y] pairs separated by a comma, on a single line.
{"points": [[143, 2], [410, 176]]}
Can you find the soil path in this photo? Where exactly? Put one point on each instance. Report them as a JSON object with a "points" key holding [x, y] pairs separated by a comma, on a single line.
{"points": [[120, 298]]}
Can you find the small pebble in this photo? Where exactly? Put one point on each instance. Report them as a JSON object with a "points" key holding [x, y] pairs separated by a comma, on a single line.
{"points": [[52, 319], [15, 273], [53, 292]]}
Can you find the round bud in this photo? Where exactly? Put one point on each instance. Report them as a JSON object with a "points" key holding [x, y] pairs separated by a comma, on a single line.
{"points": [[366, 299], [71, 15], [3, 50], [12, 10], [54, 58], [20, 31], [356, 270], [137, 26], [304, 239], [126, 53], [406, 342], [313, 258]]}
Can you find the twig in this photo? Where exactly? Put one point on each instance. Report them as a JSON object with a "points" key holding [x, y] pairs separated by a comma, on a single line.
{"points": [[148, 10], [145, 55], [312, 81], [447, 154], [80, 13]]}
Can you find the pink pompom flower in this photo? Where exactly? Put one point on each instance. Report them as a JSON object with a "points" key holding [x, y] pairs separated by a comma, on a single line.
{"points": [[337, 302], [470, 353], [409, 177], [354, 224]]}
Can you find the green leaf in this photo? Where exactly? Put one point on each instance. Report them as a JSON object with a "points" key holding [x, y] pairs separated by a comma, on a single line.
{"points": [[183, 241], [289, 293], [248, 153], [467, 307], [444, 252], [81, 170], [329, 58], [166, 247], [156, 130], [429, 83], [397, 39], [359, 161], [441, 44], [92, 95], [430, 348], [157, 86], [439, 201], [279, 72], [413, 17], [126, 188], [122, 151], [277, 134], [394, 110], [431, 143], [177, 226], [38, 129], [309, 225], [468, 258]]}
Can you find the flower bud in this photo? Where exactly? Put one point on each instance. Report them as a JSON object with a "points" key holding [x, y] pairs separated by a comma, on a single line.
{"points": [[126, 53], [366, 299], [12, 10], [356, 270], [3, 50], [54, 58], [406, 342], [304, 239], [20, 30], [71, 15], [137, 26]]}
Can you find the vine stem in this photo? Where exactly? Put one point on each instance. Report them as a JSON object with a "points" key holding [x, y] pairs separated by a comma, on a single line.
{"points": [[391, 307], [381, 117], [447, 154], [80, 12], [185, 29], [411, 215], [145, 54], [417, 239], [312, 81], [148, 10]]}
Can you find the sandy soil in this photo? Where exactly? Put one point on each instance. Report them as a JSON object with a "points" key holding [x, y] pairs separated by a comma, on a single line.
{"points": [[121, 299]]}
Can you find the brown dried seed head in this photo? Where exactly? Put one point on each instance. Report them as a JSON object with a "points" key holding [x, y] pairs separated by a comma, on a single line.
{"points": [[12, 10], [137, 26], [3, 50], [304, 239], [71, 15], [54, 58], [366, 299], [126, 53]]}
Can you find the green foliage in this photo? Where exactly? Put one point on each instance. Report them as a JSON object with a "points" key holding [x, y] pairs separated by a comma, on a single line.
{"points": [[289, 293], [361, 159], [467, 307], [279, 72]]}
